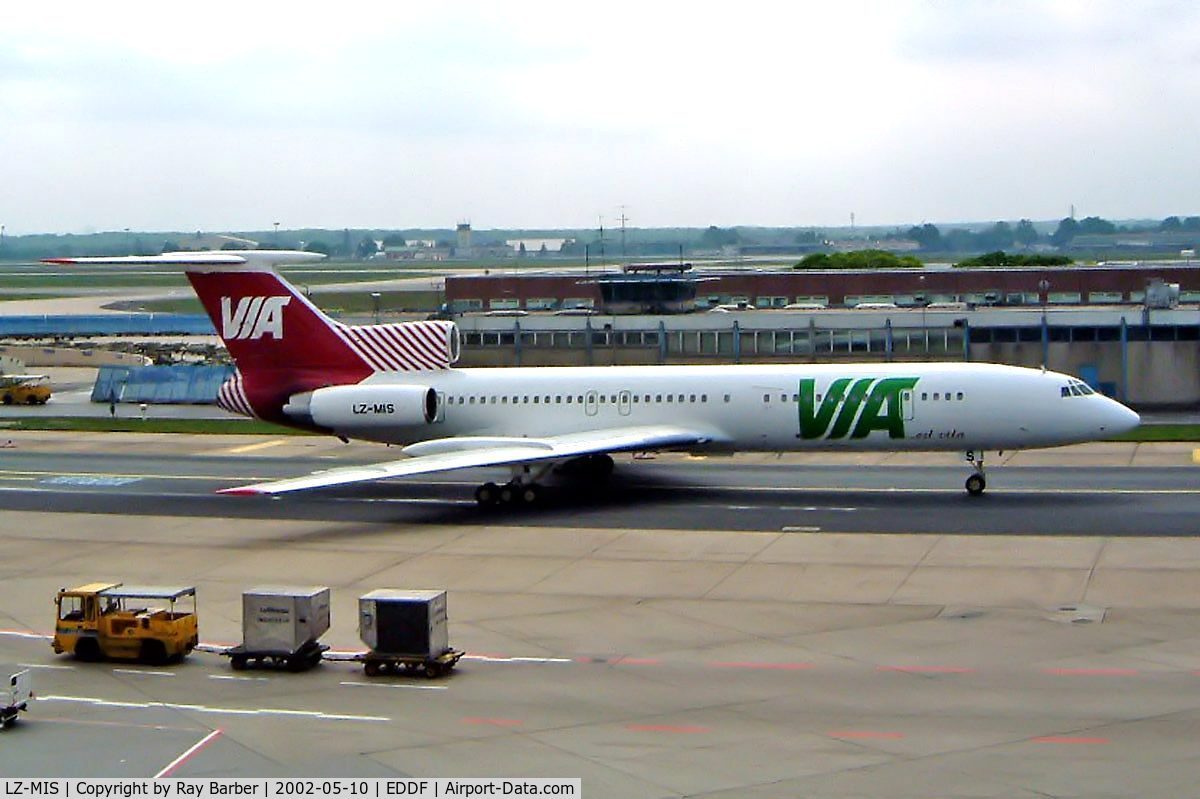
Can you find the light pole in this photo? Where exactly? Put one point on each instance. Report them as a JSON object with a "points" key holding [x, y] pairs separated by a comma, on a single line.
{"points": [[276, 233], [924, 300], [375, 303], [1044, 289]]}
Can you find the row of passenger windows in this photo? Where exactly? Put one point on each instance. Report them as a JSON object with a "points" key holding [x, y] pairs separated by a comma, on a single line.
{"points": [[569, 399], [937, 396]]}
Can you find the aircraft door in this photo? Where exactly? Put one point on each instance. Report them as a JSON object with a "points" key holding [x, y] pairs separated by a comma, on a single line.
{"points": [[906, 405], [623, 403], [591, 403]]}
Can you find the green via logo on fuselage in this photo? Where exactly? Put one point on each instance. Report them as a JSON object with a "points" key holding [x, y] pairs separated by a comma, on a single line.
{"points": [[881, 400]]}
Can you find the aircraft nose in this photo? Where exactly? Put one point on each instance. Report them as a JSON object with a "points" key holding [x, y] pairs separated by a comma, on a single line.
{"points": [[1118, 419]]}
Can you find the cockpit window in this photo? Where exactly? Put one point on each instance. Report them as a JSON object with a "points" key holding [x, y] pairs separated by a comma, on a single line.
{"points": [[1076, 389]]}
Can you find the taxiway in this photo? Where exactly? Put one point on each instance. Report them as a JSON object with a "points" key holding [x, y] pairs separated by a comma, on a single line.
{"points": [[756, 627]]}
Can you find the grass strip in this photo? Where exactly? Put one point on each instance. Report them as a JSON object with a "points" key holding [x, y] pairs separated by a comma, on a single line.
{"points": [[1148, 433]]}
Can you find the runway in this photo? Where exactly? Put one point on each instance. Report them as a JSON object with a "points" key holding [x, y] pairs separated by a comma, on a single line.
{"points": [[818, 627], [667, 493]]}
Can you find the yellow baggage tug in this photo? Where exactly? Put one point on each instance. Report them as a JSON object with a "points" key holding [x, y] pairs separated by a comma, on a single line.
{"points": [[154, 624]]}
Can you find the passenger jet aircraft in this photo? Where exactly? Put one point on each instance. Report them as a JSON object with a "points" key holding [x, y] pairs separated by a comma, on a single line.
{"points": [[396, 383]]}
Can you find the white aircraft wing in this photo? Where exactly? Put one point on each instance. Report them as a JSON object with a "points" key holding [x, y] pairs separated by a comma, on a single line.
{"points": [[209, 258], [493, 452]]}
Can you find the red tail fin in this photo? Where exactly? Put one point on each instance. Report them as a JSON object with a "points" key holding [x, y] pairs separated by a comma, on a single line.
{"points": [[284, 345]]}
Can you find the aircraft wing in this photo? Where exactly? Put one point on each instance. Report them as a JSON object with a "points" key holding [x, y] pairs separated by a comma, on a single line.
{"points": [[208, 259], [462, 454]]}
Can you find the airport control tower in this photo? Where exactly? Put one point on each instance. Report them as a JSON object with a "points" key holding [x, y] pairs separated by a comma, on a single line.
{"points": [[463, 246]]}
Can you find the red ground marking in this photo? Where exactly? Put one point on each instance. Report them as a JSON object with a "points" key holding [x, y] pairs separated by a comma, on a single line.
{"points": [[638, 661], [187, 755], [686, 728], [1067, 739], [765, 666], [927, 669], [864, 734], [493, 722], [1091, 672]]}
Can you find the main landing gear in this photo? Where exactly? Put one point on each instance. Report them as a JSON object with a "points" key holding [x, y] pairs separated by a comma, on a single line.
{"points": [[977, 482], [511, 493], [525, 488]]}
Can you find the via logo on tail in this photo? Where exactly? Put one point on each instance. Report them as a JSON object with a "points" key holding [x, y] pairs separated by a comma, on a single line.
{"points": [[882, 401], [253, 318]]}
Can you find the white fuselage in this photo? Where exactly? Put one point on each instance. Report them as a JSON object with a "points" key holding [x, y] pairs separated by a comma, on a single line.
{"points": [[898, 406]]}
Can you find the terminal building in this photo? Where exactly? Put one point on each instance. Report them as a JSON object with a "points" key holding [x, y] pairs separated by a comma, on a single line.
{"points": [[1132, 332], [1009, 287]]}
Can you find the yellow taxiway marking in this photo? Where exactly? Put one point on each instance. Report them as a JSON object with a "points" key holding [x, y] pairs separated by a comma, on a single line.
{"points": [[253, 447], [1196, 456]]}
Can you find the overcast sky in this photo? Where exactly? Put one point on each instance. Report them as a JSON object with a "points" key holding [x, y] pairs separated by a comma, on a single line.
{"points": [[232, 116]]}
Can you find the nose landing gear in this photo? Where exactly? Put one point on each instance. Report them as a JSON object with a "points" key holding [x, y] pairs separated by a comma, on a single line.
{"points": [[977, 482]]}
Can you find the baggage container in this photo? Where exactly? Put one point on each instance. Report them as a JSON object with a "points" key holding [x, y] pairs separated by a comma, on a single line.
{"points": [[280, 627], [402, 622], [282, 618], [406, 632]]}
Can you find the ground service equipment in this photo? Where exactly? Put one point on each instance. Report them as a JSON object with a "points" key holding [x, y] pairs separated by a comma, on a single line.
{"points": [[154, 624], [406, 631], [24, 389], [280, 627], [14, 696]]}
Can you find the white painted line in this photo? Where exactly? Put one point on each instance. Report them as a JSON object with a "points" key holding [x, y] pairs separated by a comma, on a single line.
{"points": [[794, 529], [406, 501], [232, 711], [492, 659], [231, 677], [45, 666], [20, 634], [395, 685], [142, 671], [193, 749]]}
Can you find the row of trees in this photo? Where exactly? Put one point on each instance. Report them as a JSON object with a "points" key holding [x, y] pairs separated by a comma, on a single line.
{"points": [[1002, 235], [858, 259]]}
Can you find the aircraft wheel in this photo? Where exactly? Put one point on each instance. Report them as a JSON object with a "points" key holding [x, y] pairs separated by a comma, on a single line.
{"points": [[8, 399], [976, 484], [508, 494], [529, 494], [602, 467], [487, 494]]}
